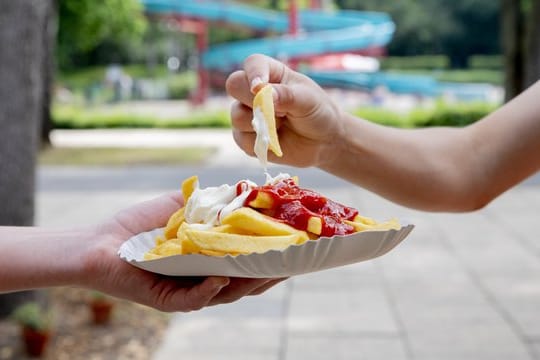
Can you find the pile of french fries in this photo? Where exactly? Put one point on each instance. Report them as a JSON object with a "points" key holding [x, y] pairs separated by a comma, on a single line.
{"points": [[244, 231]]}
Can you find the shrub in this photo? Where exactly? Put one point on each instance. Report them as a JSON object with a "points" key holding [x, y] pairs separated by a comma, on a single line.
{"points": [[492, 62], [180, 85], [440, 115], [32, 316], [73, 117], [424, 62]]}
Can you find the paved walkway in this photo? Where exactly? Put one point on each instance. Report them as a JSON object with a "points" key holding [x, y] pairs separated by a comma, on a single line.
{"points": [[461, 286]]}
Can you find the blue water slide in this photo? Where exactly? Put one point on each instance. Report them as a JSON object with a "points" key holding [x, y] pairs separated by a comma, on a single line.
{"points": [[322, 32]]}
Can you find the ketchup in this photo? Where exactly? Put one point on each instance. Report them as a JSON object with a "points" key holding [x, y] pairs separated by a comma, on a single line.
{"points": [[295, 206]]}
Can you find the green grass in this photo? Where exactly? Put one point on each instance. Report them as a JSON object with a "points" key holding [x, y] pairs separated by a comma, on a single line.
{"points": [[124, 156]]}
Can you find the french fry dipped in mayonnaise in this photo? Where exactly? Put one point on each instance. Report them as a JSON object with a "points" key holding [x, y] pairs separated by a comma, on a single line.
{"points": [[264, 124]]}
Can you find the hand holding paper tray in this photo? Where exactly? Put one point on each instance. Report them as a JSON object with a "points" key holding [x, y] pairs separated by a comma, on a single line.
{"points": [[247, 241], [311, 256]]}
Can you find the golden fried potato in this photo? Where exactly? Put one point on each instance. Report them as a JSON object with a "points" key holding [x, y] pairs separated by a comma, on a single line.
{"points": [[250, 220], [174, 223], [242, 244], [265, 102], [387, 225], [188, 186]]}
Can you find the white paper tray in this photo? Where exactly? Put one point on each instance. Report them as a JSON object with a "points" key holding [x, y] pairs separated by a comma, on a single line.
{"points": [[311, 256]]}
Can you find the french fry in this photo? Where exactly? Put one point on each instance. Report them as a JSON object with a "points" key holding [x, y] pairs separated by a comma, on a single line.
{"points": [[176, 219], [387, 225], [265, 102], [188, 186], [257, 223], [242, 244], [262, 201], [168, 248]]}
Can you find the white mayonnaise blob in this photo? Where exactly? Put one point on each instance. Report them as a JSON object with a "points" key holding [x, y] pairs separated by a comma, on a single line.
{"points": [[206, 207], [263, 137]]}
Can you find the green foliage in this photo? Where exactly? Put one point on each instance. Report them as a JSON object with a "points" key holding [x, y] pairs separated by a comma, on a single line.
{"points": [[441, 115], [459, 28], [494, 77], [491, 62], [86, 24], [415, 62], [31, 315], [180, 85], [118, 156], [75, 117]]}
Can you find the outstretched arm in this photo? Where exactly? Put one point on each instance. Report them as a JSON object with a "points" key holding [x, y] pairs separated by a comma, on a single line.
{"points": [[438, 169], [37, 257]]}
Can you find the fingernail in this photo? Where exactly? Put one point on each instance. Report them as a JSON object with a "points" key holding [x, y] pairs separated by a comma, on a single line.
{"points": [[256, 84]]}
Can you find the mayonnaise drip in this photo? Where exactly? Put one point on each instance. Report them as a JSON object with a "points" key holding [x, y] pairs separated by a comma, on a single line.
{"points": [[262, 137]]}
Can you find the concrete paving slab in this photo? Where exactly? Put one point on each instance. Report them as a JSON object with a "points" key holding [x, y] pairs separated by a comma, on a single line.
{"points": [[344, 347]]}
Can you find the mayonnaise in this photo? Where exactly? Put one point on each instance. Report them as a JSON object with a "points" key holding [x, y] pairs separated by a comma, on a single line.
{"points": [[262, 138], [206, 207]]}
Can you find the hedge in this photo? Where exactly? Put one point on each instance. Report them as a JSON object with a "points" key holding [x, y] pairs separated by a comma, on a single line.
{"points": [[421, 62], [73, 117], [456, 115]]}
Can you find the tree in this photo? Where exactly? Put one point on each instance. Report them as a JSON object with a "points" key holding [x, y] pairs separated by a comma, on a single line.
{"points": [[21, 99], [85, 25], [438, 26], [521, 44]]}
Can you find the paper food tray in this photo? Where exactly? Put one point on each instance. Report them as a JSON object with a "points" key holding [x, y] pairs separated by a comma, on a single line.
{"points": [[313, 255]]}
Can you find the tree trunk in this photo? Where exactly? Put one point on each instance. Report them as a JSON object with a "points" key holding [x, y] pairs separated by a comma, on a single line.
{"points": [[21, 91], [49, 33], [532, 57], [513, 46]]}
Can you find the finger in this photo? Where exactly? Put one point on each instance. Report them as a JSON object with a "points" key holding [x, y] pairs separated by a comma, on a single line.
{"points": [[266, 286], [295, 100], [200, 295], [261, 69], [237, 86], [241, 117], [238, 288], [245, 141]]}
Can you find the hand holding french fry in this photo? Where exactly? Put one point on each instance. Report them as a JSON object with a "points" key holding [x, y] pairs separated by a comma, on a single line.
{"points": [[307, 121]]}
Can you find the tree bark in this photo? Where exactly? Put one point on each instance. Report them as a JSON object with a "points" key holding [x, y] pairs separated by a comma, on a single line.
{"points": [[532, 57], [513, 47], [21, 93], [50, 32]]}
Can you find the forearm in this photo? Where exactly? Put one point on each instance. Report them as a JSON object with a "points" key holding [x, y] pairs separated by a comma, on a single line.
{"points": [[37, 257], [422, 168], [443, 169]]}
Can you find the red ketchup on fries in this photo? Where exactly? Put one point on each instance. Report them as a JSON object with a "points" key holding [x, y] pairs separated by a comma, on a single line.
{"points": [[303, 209]]}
